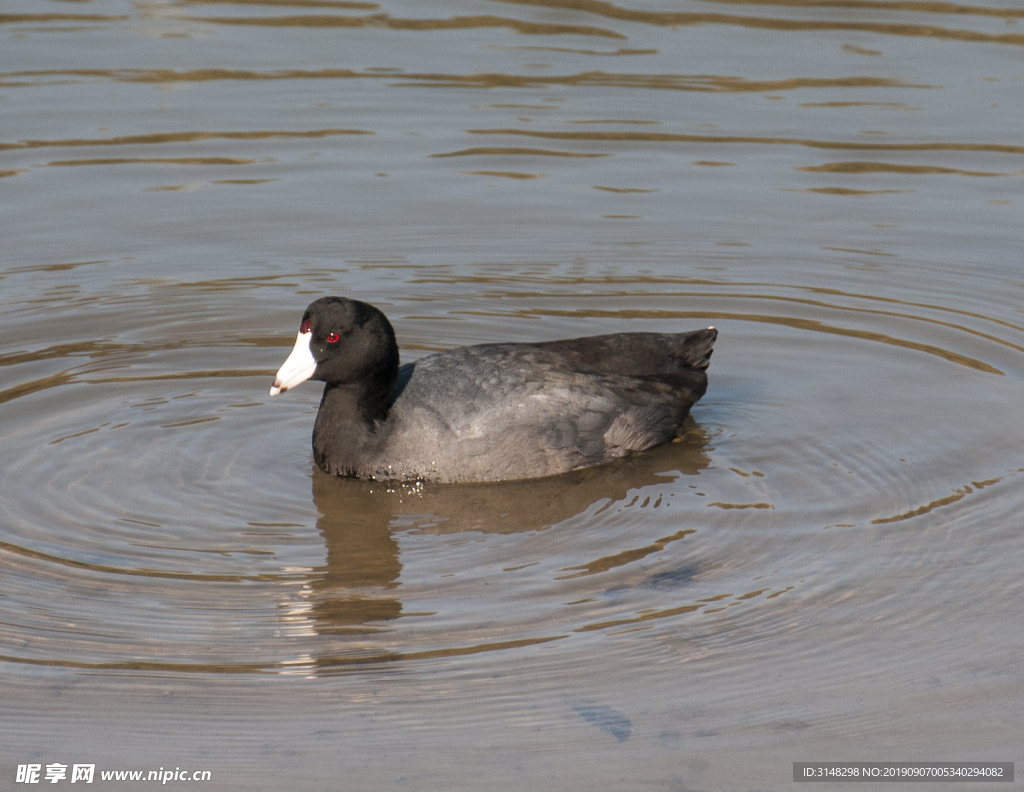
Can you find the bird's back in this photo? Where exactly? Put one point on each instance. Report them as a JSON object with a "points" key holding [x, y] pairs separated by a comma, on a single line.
{"points": [[512, 411]]}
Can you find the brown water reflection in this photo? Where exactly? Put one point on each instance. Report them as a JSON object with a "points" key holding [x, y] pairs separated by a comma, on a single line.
{"points": [[362, 555], [180, 137], [398, 78], [663, 137], [674, 18], [341, 4], [917, 6], [392, 23]]}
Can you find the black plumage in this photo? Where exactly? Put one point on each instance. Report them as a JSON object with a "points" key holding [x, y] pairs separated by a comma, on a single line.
{"points": [[491, 412]]}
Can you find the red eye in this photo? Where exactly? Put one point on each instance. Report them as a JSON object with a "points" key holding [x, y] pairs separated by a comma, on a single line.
{"points": [[306, 327], [332, 338]]}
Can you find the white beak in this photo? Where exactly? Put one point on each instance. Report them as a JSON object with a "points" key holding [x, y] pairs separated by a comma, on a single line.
{"points": [[299, 366]]}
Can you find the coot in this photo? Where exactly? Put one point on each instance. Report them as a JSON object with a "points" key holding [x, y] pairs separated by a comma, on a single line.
{"points": [[492, 412]]}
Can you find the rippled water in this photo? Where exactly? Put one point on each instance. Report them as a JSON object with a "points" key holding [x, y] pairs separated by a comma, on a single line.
{"points": [[827, 566]]}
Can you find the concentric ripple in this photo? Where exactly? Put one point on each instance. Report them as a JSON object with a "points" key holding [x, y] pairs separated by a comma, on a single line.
{"points": [[173, 502]]}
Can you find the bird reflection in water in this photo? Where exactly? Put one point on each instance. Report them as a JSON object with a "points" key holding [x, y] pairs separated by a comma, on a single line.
{"points": [[356, 592]]}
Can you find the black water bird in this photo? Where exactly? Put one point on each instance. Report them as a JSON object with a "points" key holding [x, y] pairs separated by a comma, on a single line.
{"points": [[491, 412]]}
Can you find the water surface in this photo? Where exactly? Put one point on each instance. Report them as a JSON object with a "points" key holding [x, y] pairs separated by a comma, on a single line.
{"points": [[825, 567]]}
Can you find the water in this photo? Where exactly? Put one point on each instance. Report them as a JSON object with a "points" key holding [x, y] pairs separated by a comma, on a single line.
{"points": [[825, 567]]}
